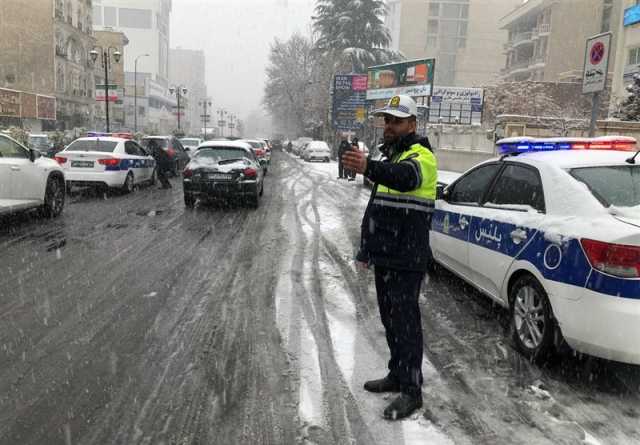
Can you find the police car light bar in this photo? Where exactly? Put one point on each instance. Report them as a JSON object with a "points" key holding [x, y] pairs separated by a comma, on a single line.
{"points": [[517, 145]]}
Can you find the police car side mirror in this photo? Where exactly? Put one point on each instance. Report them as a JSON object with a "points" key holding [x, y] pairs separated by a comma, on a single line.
{"points": [[442, 192]]}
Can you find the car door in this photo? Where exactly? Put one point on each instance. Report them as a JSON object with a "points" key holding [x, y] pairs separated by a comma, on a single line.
{"points": [[137, 161], [148, 162], [504, 225], [451, 222], [26, 180]]}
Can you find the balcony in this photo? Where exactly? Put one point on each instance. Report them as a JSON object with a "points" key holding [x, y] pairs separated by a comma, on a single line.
{"points": [[522, 38]]}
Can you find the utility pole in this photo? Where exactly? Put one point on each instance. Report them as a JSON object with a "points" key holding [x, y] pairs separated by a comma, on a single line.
{"points": [[179, 92], [221, 122]]}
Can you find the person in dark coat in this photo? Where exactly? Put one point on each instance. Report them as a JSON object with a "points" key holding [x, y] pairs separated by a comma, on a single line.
{"points": [[344, 147], [163, 163]]}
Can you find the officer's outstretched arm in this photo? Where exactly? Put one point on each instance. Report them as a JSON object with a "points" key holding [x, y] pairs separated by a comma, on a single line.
{"points": [[403, 176]]}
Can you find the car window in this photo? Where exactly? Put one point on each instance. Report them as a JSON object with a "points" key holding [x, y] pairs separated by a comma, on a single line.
{"points": [[92, 145], [177, 145], [142, 150], [131, 149], [471, 187], [161, 142], [9, 149], [517, 187], [221, 153], [615, 185]]}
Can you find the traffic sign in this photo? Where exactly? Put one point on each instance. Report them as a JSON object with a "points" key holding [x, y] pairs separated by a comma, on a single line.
{"points": [[596, 63]]}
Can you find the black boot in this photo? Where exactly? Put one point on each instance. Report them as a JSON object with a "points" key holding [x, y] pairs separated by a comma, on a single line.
{"points": [[403, 406], [386, 384]]}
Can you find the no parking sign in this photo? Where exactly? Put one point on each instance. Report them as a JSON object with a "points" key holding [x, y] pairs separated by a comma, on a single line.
{"points": [[596, 63]]}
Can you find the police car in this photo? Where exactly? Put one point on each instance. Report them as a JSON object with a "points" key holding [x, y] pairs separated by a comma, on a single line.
{"points": [[113, 162], [551, 230]]}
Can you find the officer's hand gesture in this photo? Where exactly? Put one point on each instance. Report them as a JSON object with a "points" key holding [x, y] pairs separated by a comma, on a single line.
{"points": [[355, 160]]}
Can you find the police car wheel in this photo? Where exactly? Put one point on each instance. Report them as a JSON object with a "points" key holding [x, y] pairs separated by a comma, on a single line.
{"points": [[128, 183], [532, 320]]}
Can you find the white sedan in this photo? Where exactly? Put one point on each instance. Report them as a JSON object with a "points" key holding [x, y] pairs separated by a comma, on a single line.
{"points": [[317, 150], [28, 180], [551, 231], [107, 162]]}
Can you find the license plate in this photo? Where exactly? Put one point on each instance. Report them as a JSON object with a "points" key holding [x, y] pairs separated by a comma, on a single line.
{"points": [[219, 176], [82, 164]]}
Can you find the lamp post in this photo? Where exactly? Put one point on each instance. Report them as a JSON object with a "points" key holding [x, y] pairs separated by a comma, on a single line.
{"points": [[221, 123], [205, 117], [179, 91], [135, 92], [232, 125], [106, 54]]}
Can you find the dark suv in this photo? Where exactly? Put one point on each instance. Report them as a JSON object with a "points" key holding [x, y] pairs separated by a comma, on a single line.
{"points": [[174, 149]]}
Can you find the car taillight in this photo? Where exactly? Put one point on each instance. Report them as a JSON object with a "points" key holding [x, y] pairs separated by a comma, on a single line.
{"points": [[109, 162], [187, 173], [250, 173], [614, 259], [60, 160]]}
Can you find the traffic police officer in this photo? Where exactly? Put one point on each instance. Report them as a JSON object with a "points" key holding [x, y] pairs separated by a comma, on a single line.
{"points": [[395, 240]]}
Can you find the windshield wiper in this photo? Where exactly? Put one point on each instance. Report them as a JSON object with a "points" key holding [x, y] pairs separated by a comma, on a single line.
{"points": [[632, 159]]}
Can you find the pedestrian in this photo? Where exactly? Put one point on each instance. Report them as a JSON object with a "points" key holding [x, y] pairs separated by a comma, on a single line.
{"points": [[351, 174], [163, 163], [395, 241], [343, 148]]}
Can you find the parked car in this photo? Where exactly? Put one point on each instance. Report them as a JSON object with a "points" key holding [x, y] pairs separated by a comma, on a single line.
{"points": [[224, 170], [190, 145], [174, 148], [259, 147], [298, 145], [550, 231], [107, 162], [41, 143], [28, 180], [317, 150]]}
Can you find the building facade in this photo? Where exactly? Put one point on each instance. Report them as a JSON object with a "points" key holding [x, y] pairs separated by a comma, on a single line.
{"points": [[547, 38], [193, 79], [462, 35], [54, 60], [111, 41], [627, 52], [146, 25]]}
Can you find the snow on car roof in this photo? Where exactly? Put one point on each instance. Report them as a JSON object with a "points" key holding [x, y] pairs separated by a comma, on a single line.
{"points": [[103, 138], [230, 144]]}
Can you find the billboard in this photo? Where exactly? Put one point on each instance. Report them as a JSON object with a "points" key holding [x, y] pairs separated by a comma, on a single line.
{"points": [[46, 106], [10, 103], [456, 105], [631, 15], [413, 78], [596, 63], [349, 101]]}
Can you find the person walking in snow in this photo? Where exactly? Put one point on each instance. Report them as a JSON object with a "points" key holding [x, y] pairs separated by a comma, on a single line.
{"points": [[395, 241]]}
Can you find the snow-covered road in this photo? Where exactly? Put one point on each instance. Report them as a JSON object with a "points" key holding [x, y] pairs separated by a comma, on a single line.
{"points": [[133, 321]]}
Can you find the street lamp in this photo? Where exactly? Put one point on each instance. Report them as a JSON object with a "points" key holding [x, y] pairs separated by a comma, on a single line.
{"points": [[178, 91], [135, 92], [232, 125], [205, 116], [106, 54], [221, 122]]}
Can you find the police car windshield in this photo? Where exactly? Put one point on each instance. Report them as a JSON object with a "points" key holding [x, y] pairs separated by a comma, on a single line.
{"points": [[613, 186], [92, 145], [221, 154]]}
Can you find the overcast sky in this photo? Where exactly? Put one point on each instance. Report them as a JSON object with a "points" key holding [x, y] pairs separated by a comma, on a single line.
{"points": [[235, 35]]}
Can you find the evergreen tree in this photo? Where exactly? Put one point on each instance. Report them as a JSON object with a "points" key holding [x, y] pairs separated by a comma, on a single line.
{"points": [[352, 33], [630, 110]]}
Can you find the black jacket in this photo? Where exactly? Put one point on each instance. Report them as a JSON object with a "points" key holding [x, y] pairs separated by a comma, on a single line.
{"points": [[393, 237]]}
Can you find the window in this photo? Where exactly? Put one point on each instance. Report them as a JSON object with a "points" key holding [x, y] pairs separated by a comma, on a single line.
{"points": [[518, 187], [131, 148], [634, 56], [110, 18], [618, 186], [462, 29], [135, 18], [92, 145], [471, 187], [434, 9], [432, 27], [9, 149], [432, 42]]}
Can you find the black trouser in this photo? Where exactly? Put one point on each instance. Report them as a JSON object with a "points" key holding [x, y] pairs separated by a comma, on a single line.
{"points": [[398, 292], [162, 174]]}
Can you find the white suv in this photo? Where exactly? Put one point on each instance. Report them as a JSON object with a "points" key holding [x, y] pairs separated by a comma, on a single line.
{"points": [[28, 180]]}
